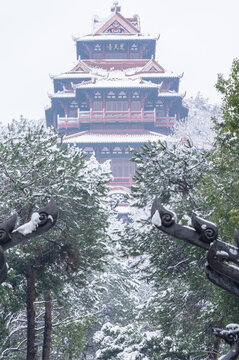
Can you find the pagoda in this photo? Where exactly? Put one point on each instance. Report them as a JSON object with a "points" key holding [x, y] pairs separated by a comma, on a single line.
{"points": [[116, 96]]}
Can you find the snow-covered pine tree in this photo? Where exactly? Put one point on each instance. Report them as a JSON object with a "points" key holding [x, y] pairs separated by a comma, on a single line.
{"points": [[35, 166], [221, 188], [184, 305]]}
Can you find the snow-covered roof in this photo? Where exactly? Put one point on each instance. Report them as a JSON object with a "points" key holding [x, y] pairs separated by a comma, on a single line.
{"points": [[159, 75], [104, 63], [116, 79], [109, 37], [117, 84], [99, 71], [75, 75], [62, 94], [128, 83], [98, 22], [87, 137], [170, 94], [132, 23]]}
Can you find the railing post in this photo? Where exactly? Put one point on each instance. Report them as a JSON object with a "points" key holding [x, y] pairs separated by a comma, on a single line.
{"points": [[104, 113], [154, 114], [129, 113], [91, 113], [142, 114]]}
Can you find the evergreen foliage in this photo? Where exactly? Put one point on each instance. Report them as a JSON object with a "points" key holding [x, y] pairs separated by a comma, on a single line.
{"points": [[186, 178], [222, 191], [35, 166], [128, 292]]}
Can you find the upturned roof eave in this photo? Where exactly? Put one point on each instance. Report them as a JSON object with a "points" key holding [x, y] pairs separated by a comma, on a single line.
{"points": [[62, 95]]}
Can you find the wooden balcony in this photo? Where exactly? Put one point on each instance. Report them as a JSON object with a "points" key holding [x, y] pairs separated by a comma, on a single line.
{"points": [[165, 121], [114, 116], [122, 181]]}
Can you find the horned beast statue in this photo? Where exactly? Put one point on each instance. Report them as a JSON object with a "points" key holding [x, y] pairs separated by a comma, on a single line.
{"points": [[10, 235], [218, 268]]}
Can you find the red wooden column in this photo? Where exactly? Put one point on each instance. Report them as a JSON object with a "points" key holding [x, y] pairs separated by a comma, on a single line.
{"points": [[104, 104], [78, 117], [129, 113], [129, 105], [155, 114]]}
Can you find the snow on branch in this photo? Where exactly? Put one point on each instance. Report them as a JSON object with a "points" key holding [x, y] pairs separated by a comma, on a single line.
{"points": [[11, 236]]}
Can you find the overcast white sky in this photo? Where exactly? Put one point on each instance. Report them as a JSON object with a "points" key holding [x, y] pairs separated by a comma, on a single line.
{"points": [[197, 37]]}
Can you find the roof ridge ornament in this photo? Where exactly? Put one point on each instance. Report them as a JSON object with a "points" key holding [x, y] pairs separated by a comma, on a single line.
{"points": [[116, 7]]}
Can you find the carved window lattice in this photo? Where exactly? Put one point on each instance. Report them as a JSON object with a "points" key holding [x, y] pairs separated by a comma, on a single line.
{"points": [[97, 95], [72, 112], [122, 95], [89, 150], [134, 47], [105, 150], [73, 105], [116, 28], [97, 48], [84, 105], [122, 168], [149, 104], [111, 95], [117, 150], [116, 105], [135, 95], [135, 105], [159, 104], [98, 106]]}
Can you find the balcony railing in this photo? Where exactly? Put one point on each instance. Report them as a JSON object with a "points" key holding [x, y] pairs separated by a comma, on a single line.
{"points": [[114, 116], [165, 121], [122, 181]]}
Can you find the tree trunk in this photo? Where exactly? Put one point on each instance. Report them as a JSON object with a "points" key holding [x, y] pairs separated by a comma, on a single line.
{"points": [[3, 266], [216, 348], [48, 326], [31, 272]]}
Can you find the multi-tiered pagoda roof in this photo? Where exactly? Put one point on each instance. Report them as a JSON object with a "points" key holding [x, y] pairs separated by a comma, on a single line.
{"points": [[117, 94]]}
